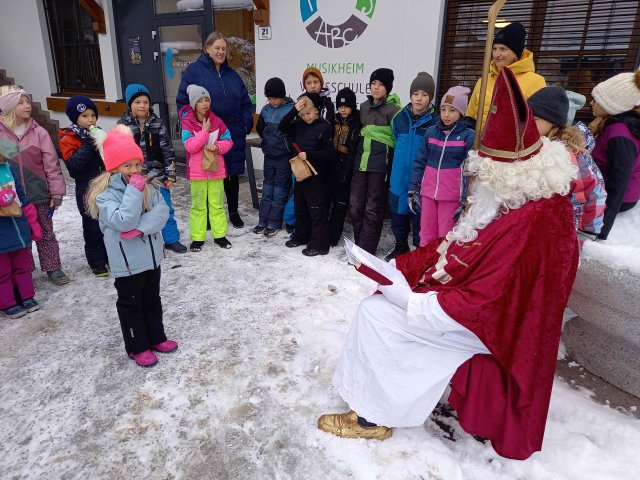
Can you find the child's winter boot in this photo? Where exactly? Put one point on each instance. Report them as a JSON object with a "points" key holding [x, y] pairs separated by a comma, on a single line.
{"points": [[144, 359], [165, 347]]}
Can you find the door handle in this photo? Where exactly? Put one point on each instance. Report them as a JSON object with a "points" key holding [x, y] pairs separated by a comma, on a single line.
{"points": [[155, 55]]}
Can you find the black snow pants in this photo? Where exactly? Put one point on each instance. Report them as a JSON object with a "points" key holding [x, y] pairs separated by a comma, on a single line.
{"points": [[140, 310]]}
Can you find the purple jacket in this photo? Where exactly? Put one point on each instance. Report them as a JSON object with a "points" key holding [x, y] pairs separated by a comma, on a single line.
{"points": [[617, 154], [36, 163]]}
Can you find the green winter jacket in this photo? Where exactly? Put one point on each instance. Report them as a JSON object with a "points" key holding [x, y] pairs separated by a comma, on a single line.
{"points": [[375, 148]]}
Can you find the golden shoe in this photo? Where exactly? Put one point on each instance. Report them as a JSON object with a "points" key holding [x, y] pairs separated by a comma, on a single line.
{"points": [[346, 425]]}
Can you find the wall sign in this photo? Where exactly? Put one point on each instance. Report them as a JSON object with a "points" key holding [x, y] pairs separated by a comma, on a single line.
{"points": [[264, 33], [135, 53]]}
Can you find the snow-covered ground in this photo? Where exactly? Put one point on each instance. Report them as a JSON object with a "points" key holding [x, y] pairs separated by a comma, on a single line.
{"points": [[260, 329], [621, 249]]}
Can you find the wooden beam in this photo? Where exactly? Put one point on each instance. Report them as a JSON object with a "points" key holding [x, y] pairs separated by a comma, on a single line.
{"points": [[261, 4], [261, 13], [97, 14], [105, 108]]}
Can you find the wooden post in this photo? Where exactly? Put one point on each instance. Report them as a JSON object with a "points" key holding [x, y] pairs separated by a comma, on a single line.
{"points": [[488, 47]]}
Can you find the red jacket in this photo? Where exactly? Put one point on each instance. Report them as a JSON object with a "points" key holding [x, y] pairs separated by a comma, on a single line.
{"points": [[510, 287]]}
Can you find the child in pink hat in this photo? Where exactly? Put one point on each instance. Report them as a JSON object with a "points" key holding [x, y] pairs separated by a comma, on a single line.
{"points": [[131, 213], [437, 185]]}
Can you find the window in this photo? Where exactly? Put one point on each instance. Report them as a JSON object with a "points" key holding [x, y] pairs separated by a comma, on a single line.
{"points": [[576, 43], [75, 48]]}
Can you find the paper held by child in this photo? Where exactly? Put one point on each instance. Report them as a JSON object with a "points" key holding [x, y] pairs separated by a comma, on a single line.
{"points": [[369, 265], [213, 137]]}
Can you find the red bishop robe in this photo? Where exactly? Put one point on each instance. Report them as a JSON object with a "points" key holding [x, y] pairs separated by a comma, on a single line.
{"points": [[510, 287]]}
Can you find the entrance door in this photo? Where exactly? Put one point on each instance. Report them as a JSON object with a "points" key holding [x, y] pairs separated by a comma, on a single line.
{"points": [[156, 42], [139, 57], [180, 44]]}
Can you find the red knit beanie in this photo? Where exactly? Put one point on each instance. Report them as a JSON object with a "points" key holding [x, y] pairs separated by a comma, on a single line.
{"points": [[119, 147]]}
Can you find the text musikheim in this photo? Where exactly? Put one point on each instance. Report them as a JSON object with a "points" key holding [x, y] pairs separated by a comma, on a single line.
{"points": [[347, 67]]}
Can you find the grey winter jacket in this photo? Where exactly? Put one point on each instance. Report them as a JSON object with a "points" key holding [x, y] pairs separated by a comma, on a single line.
{"points": [[120, 210]]}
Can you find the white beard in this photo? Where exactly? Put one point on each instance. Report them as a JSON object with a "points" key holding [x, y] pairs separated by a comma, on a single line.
{"points": [[500, 187], [485, 207]]}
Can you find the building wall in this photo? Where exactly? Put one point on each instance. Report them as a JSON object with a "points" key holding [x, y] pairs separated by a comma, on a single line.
{"points": [[26, 53], [403, 35]]}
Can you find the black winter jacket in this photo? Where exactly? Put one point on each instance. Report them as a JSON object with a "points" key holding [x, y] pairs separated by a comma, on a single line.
{"points": [[80, 157], [346, 134], [155, 142], [314, 139]]}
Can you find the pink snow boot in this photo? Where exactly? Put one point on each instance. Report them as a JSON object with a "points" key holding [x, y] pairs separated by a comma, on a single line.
{"points": [[144, 359], [165, 347]]}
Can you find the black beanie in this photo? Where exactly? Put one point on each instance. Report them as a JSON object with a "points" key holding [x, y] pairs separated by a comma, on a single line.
{"points": [[346, 98], [512, 36], [384, 75], [275, 88], [315, 98], [551, 104], [77, 105]]}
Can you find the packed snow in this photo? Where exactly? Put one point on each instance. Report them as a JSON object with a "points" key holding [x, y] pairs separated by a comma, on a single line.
{"points": [[621, 249], [260, 329]]}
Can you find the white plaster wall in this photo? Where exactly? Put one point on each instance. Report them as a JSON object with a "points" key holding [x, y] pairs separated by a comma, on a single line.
{"points": [[26, 53], [403, 35], [25, 50]]}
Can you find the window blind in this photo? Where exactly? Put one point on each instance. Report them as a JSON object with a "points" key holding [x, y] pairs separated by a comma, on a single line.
{"points": [[576, 43]]}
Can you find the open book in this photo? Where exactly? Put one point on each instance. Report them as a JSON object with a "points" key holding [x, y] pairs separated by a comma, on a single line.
{"points": [[369, 265]]}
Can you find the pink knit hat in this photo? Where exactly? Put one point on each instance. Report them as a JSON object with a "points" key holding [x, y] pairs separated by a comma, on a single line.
{"points": [[119, 147], [10, 100], [458, 98]]}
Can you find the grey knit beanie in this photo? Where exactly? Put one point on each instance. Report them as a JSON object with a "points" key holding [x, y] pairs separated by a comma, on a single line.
{"points": [[196, 92], [423, 81], [551, 104]]}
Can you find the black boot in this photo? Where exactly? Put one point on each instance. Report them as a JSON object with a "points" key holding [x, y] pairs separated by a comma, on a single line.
{"points": [[401, 247], [236, 221]]}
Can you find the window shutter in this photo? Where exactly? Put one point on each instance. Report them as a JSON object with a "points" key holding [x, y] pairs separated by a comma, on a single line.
{"points": [[576, 43]]}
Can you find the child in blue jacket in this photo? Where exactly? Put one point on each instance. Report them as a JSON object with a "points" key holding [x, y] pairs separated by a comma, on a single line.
{"points": [[18, 226], [277, 152], [437, 184], [409, 128], [132, 213]]}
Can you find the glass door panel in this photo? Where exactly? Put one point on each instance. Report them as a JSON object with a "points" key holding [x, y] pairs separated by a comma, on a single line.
{"points": [[234, 19], [173, 6], [180, 45]]}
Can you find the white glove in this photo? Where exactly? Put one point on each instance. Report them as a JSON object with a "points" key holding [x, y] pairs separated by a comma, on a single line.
{"points": [[398, 292]]}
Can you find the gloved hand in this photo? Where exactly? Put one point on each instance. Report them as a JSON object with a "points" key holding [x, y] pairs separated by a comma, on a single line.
{"points": [[398, 292], [413, 199], [131, 234], [171, 179], [459, 211], [30, 213], [137, 181], [55, 203], [7, 196]]}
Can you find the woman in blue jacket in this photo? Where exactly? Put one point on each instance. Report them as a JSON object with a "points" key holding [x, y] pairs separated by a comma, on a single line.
{"points": [[230, 101]]}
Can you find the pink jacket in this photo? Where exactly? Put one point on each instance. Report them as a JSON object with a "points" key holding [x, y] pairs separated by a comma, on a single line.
{"points": [[37, 163], [195, 139]]}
